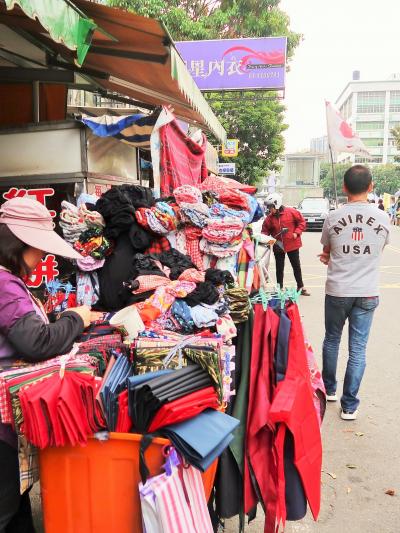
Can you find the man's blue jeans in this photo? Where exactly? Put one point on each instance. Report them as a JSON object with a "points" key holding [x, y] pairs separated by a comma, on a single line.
{"points": [[359, 312]]}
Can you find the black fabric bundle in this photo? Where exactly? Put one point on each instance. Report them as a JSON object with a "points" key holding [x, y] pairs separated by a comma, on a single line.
{"points": [[219, 277], [118, 206], [204, 293], [144, 265], [145, 400], [139, 237], [117, 268], [176, 262]]}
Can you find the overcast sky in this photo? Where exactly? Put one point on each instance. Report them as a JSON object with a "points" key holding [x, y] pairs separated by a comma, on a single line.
{"points": [[339, 36]]}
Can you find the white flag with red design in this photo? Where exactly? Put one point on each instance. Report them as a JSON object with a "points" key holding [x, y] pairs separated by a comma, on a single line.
{"points": [[341, 136]]}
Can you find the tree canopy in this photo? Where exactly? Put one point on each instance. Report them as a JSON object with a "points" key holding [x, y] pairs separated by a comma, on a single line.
{"points": [[256, 119], [386, 178]]}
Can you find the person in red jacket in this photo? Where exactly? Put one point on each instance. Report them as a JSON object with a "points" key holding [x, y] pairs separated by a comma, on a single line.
{"points": [[285, 224]]}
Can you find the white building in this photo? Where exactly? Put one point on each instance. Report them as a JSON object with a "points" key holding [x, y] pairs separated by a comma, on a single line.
{"points": [[320, 145], [300, 177], [373, 109]]}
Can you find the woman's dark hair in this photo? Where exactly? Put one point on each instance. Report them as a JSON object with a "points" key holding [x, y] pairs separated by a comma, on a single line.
{"points": [[12, 252]]}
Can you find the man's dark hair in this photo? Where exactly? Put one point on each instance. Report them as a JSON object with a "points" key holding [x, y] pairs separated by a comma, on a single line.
{"points": [[12, 252], [357, 179]]}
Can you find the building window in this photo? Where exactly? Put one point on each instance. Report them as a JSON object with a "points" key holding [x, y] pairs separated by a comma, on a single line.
{"points": [[394, 102], [371, 102], [347, 108], [300, 172], [370, 125], [367, 160], [373, 142]]}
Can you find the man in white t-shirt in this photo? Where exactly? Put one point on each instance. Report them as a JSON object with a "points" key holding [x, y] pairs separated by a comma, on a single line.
{"points": [[353, 238]]}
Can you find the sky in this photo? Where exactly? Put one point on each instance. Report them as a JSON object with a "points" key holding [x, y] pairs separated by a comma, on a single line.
{"points": [[340, 36]]}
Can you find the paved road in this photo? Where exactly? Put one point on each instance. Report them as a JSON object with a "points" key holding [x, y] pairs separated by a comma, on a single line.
{"points": [[355, 501]]}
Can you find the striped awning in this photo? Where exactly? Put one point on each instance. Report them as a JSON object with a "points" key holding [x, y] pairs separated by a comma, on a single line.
{"points": [[131, 129]]}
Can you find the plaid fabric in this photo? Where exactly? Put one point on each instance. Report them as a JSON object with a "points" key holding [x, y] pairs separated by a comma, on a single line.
{"points": [[28, 464], [150, 283], [158, 246], [193, 236]]}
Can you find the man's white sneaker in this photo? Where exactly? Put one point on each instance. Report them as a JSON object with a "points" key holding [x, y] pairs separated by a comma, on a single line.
{"points": [[349, 415], [331, 398]]}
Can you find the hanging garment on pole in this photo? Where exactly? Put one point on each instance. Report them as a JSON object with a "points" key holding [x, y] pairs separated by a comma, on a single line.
{"points": [[293, 408], [260, 476]]}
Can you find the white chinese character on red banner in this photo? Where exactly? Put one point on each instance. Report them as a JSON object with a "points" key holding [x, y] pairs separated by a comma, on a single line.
{"points": [[45, 271], [38, 194]]}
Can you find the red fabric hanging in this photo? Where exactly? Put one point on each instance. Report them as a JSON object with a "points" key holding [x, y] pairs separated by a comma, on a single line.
{"points": [[293, 408], [260, 475], [182, 160]]}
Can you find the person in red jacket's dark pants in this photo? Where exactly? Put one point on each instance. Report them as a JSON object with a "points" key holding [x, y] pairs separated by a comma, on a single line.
{"points": [[285, 224]]}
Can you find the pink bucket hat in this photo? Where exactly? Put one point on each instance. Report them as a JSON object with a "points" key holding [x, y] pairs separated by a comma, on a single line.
{"points": [[31, 222]]}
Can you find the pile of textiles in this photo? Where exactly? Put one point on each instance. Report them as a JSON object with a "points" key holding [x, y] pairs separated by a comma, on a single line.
{"points": [[185, 300], [191, 229], [61, 410], [160, 219], [169, 396], [83, 227], [154, 351], [59, 296]]}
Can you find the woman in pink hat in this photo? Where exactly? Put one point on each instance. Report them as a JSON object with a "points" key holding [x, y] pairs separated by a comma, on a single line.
{"points": [[26, 235]]}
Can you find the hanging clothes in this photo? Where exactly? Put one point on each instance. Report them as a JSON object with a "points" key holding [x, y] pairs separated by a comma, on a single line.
{"points": [[293, 407], [260, 476]]}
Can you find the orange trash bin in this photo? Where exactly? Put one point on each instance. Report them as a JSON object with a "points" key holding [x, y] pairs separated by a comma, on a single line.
{"points": [[94, 489]]}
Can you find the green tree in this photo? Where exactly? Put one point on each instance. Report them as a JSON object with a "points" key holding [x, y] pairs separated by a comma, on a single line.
{"points": [[326, 178], [256, 119], [396, 134], [386, 178], [259, 127]]}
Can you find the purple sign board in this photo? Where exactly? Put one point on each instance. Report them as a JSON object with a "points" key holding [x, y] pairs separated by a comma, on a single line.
{"points": [[236, 64]]}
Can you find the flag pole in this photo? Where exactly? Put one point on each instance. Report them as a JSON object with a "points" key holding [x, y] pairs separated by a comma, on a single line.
{"points": [[334, 176]]}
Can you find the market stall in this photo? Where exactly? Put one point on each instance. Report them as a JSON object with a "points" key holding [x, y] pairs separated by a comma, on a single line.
{"points": [[186, 349], [194, 384]]}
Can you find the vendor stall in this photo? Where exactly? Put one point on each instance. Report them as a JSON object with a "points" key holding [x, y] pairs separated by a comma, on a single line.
{"points": [[193, 383], [180, 352]]}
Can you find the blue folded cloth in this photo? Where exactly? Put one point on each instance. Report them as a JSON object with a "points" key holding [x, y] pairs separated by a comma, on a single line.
{"points": [[200, 440]]}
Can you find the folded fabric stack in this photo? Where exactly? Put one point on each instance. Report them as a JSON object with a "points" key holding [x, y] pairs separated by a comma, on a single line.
{"points": [[113, 385], [150, 400], [61, 410], [160, 219], [167, 349], [239, 304], [23, 380], [201, 439]]}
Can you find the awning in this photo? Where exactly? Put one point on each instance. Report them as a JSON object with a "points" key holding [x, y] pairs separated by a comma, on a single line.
{"points": [[121, 54], [62, 20]]}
